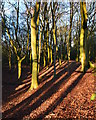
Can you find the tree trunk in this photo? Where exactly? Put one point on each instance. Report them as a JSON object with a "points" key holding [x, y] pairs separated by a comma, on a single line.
{"points": [[34, 83], [69, 40], [9, 59], [30, 60], [83, 37], [19, 69], [19, 66], [48, 51], [60, 54], [39, 51], [54, 52], [54, 36], [51, 49]]}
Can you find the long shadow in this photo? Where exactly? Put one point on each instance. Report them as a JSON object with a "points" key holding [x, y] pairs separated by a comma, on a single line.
{"points": [[51, 69], [11, 84], [25, 86], [26, 102], [36, 94], [60, 99], [14, 93], [49, 74], [21, 91]]}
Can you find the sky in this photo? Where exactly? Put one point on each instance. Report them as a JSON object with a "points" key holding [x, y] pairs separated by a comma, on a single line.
{"points": [[8, 8]]}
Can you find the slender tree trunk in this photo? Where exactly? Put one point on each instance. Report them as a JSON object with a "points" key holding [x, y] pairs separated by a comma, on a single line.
{"points": [[51, 49], [45, 35], [44, 50], [9, 59], [27, 57], [30, 56], [54, 36], [54, 52], [69, 40], [19, 69], [65, 42], [78, 41], [51, 55], [48, 51], [39, 50], [60, 53]]}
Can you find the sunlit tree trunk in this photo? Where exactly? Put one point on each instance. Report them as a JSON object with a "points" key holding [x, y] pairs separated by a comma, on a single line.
{"points": [[61, 48], [27, 57], [54, 51], [19, 69], [39, 50], [19, 66], [45, 36], [60, 53], [78, 40], [57, 56], [17, 24], [34, 83], [18, 58], [37, 37], [9, 58], [30, 57], [48, 44], [51, 48], [51, 55], [44, 49], [54, 37], [69, 39], [83, 36], [65, 42]]}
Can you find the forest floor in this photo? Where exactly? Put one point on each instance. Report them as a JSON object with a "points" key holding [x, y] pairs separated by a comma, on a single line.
{"points": [[66, 96]]}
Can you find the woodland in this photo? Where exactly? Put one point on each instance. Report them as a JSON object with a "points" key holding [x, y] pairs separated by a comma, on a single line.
{"points": [[48, 60]]}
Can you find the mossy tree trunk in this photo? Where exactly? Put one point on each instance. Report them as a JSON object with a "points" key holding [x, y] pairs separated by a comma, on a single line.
{"points": [[19, 66], [83, 37], [34, 82]]}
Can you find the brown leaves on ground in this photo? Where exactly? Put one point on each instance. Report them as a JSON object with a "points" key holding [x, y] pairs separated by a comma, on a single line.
{"points": [[66, 96]]}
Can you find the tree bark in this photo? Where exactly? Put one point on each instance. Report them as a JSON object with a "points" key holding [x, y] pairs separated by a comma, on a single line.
{"points": [[83, 37], [34, 83]]}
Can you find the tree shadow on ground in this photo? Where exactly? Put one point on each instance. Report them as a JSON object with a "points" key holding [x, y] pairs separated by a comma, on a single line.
{"points": [[10, 83], [60, 99], [46, 91]]}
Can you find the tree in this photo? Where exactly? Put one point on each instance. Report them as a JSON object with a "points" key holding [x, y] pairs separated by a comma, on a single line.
{"points": [[34, 83], [83, 36], [69, 40], [54, 36]]}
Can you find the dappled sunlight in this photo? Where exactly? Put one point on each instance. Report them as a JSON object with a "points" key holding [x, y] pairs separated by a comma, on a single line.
{"points": [[49, 94], [48, 60], [50, 69], [23, 85]]}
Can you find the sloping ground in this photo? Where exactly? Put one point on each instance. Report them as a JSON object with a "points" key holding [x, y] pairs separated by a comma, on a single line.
{"points": [[66, 96]]}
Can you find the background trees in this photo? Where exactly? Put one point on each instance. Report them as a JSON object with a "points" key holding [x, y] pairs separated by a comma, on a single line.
{"points": [[47, 33]]}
